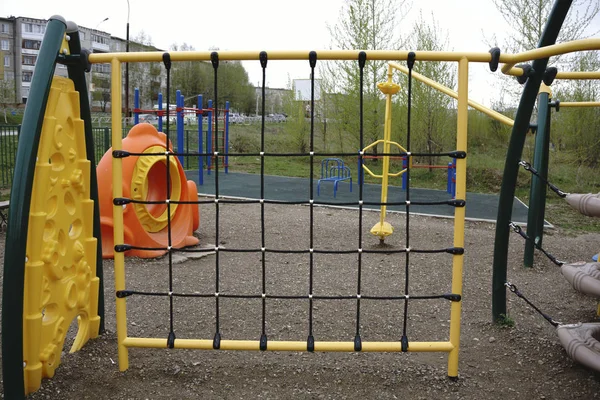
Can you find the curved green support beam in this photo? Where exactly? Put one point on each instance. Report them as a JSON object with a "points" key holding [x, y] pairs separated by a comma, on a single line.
{"points": [[18, 218], [513, 156]]}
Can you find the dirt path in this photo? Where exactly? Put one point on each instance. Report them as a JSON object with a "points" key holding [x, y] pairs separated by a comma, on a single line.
{"points": [[525, 361]]}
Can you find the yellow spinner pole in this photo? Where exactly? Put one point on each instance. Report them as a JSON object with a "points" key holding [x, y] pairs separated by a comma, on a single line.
{"points": [[382, 229], [459, 214], [117, 168]]}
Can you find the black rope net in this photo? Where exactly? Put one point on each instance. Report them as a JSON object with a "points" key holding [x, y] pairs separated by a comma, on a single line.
{"points": [[266, 294]]}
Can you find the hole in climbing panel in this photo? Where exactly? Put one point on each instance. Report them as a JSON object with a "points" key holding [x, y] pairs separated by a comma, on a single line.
{"points": [[157, 188]]}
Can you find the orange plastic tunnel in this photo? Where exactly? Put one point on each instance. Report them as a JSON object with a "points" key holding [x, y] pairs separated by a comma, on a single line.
{"points": [[145, 178]]}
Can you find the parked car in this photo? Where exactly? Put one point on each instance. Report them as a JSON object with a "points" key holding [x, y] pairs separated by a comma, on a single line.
{"points": [[149, 118], [235, 118]]}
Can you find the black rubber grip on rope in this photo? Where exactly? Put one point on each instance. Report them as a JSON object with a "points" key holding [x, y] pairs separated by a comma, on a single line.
{"points": [[263, 59], [171, 340], [459, 154], [122, 248], [457, 203], [362, 59], [527, 72], [120, 154], [495, 52], [404, 343], [167, 60], [549, 75], [217, 341], [263, 342], [310, 343], [453, 297], [214, 59], [312, 58], [121, 294], [357, 343], [119, 201], [410, 61], [457, 251]]}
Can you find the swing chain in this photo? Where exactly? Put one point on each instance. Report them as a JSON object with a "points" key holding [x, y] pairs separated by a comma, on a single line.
{"points": [[513, 288], [516, 228], [527, 167]]}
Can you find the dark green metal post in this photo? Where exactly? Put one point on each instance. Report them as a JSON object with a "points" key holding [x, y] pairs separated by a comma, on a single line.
{"points": [[77, 75], [537, 192], [18, 219], [513, 155], [106, 140]]}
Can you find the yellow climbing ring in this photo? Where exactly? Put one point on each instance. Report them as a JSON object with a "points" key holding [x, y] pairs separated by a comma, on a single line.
{"points": [[60, 278], [148, 183]]}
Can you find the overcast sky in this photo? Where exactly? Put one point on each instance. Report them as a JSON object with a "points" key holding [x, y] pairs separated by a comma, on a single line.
{"points": [[269, 25]]}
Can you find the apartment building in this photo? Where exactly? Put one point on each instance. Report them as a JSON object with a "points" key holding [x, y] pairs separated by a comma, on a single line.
{"points": [[20, 42]]}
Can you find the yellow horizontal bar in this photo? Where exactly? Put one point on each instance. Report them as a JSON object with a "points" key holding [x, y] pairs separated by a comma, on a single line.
{"points": [[446, 90], [289, 55], [398, 55], [371, 173], [579, 75], [397, 173], [375, 143], [275, 345], [510, 69], [580, 104]]}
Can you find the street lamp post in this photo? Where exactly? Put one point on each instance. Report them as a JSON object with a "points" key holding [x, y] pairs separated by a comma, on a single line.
{"points": [[127, 66]]}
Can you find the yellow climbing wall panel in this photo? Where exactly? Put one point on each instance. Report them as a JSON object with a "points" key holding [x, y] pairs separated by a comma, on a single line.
{"points": [[60, 269]]}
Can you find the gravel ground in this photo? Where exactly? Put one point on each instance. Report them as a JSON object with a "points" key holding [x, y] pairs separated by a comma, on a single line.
{"points": [[524, 361]]}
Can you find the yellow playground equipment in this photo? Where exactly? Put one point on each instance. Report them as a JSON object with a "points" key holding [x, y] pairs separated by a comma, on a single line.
{"points": [[53, 271]]}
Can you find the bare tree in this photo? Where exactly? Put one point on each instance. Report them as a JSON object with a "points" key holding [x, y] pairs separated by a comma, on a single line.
{"points": [[526, 20], [367, 25]]}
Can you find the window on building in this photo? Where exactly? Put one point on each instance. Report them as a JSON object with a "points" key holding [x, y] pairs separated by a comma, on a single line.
{"points": [[7, 61], [4, 45], [27, 75], [29, 60], [31, 44], [7, 75], [4, 28], [33, 28], [81, 35], [99, 39]]}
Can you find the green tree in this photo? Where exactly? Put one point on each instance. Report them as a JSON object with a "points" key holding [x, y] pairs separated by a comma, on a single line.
{"points": [[194, 78], [433, 123], [147, 77], [7, 95], [101, 91], [368, 25], [526, 20], [576, 129]]}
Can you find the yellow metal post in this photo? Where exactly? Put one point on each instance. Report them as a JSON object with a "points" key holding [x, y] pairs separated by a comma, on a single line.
{"points": [[459, 214], [117, 169], [382, 229]]}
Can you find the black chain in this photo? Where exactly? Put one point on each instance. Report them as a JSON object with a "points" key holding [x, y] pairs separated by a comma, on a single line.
{"points": [[513, 288], [555, 189], [518, 229]]}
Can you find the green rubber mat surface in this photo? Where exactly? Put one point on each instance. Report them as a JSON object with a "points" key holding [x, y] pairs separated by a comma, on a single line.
{"points": [[234, 184]]}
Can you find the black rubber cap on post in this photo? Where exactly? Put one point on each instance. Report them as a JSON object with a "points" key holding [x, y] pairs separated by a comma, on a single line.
{"points": [[549, 75], [495, 52]]}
